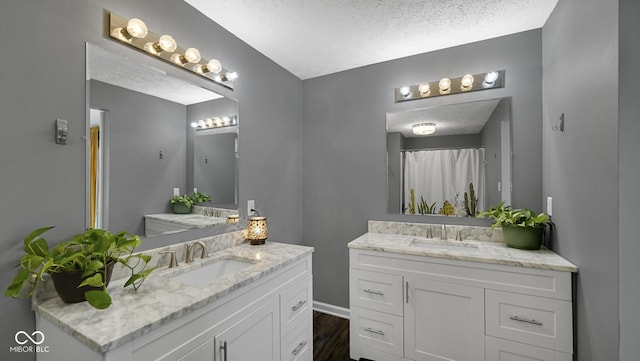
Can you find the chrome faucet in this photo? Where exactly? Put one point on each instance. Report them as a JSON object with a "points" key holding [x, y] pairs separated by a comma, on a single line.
{"points": [[443, 232], [190, 247]]}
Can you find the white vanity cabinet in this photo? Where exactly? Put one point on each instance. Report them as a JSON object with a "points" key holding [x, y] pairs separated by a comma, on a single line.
{"points": [[269, 319], [414, 307]]}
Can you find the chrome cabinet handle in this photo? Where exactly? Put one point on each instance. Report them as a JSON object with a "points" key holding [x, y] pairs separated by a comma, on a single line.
{"points": [[224, 348], [377, 332], [298, 305], [525, 320], [374, 292], [299, 348]]}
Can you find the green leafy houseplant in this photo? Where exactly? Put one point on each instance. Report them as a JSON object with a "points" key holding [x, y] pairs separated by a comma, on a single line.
{"points": [[90, 252], [522, 228], [182, 204]]}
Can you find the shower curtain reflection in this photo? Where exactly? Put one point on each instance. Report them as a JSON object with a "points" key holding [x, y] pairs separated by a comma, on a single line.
{"points": [[443, 175]]}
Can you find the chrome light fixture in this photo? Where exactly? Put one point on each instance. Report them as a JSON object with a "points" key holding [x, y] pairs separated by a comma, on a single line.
{"points": [[450, 86], [135, 33], [215, 122], [423, 128]]}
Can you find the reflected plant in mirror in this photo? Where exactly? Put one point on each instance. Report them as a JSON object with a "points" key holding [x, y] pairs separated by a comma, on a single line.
{"points": [[141, 146], [452, 160]]}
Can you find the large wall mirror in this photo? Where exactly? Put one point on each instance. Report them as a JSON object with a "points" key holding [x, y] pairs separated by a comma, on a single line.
{"points": [[142, 146], [436, 155]]}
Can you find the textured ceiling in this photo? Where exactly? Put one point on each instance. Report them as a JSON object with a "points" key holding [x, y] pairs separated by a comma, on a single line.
{"points": [[120, 71], [311, 38], [454, 119]]}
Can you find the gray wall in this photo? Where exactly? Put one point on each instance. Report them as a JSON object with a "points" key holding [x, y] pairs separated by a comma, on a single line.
{"points": [[139, 126], [629, 172], [344, 142], [214, 167], [490, 138], [44, 183], [581, 173], [443, 141]]}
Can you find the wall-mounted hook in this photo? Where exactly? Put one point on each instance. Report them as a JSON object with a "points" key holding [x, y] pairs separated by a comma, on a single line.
{"points": [[161, 155], [559, 126]]}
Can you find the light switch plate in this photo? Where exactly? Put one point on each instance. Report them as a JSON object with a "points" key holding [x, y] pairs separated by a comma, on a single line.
{"points": [[549, 205], [251, 204], [176, 191]]}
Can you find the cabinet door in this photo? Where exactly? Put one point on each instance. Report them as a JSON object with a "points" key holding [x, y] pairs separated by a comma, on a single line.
{"points": [[443, 321], [255, 337], [203, 352]]}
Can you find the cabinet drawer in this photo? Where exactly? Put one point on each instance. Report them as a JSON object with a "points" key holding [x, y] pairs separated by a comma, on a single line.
{"points": [[538, 321], [295, 304], [298, 345], [503, 350], [377, 330], [376, 291]]}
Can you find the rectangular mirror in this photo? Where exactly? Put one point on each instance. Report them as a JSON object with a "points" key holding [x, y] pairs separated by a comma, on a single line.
{"points": [[436, 155], [142, 145]]}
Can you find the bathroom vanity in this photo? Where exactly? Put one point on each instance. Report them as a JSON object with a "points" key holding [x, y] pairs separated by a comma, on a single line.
{"points": [[241, 303], [418, 298]]}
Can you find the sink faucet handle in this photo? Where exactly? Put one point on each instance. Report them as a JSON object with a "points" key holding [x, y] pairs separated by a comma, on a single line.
{"points": [[443, 232], [429, 232], [173, 261]]}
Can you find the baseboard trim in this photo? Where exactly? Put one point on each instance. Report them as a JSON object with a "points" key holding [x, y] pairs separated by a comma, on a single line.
{"points": [[331, 309]]}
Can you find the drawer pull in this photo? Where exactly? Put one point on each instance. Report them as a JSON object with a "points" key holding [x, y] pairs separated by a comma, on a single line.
{"points": [[224, 348], [299, 348], [525, 320], [377, 332], [374, 292], [298, 305]]}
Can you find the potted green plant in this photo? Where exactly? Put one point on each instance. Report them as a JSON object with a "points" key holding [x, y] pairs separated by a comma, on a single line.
{"points": [[85, 261], [182, 204], [521, 228]]}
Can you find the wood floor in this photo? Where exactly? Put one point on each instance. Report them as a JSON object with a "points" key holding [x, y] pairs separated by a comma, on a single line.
{"points": [[330, 337]]}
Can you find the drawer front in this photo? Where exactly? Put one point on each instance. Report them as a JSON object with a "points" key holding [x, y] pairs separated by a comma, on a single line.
{"points": [[376, 291], [296, 304], [503, 350], [377, 330], [537, 321], [298, 345]]}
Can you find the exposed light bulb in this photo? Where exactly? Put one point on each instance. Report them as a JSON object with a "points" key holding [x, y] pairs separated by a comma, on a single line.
{"points": [[490, 79], [214, 66], [232, 76], [192, 55], [425, 89], [466, 83], [167, 43], [202, 123], [444, 84], [210, 122], [137, 28], [405, 91], [194, 124]]}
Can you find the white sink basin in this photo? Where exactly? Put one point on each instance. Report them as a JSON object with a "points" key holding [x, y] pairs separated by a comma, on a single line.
{"points": [[210, 273], [444, 245]]}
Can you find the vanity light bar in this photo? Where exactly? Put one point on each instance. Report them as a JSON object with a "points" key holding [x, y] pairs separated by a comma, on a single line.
{"points": [[447, 86], [215, 122], [134, 33]]}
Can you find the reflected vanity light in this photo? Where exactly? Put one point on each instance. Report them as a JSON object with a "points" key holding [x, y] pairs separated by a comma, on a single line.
{"points": [[234, 218], [450, 86], [423, 128], [215, 122], [135, 33]]}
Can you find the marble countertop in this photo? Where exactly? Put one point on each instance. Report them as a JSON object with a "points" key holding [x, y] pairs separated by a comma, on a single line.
{"points": [[191, 220], [475, 251], [160, 300]]}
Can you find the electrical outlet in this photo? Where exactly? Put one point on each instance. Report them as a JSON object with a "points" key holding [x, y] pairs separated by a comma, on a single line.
{"points": [[549, 205], [176, 191], [251, 204]]}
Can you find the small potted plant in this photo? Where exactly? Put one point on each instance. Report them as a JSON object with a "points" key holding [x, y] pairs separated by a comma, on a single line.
{"points": [[182, 204], [521, 228], [80, 267]]}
